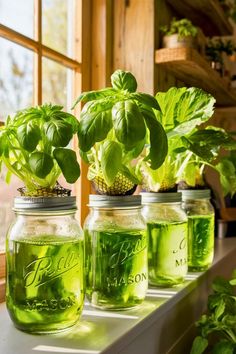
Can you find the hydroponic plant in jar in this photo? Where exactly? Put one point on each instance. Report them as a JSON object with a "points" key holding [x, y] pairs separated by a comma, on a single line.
{"points": [[203, 148], [45, 251], [115, 125], [181, 110]]}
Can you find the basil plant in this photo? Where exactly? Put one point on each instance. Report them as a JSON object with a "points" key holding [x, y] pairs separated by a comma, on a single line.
{"points": [[118, 126], [33, 147]]}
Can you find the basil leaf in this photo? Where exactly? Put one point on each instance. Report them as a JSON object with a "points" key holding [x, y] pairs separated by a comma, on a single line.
{"points": [[224, 347], [67, 161], [145, 99], [28, 136], [129, 155], [219, 309], [199, 345], [58, 132], [158, 140], [222, 286], [130, 174], [95, 123], [84, 156], [128, 123], [73, 122], [4, 144], [40, 164], [95, 95], [123, 80], [111, 158]]}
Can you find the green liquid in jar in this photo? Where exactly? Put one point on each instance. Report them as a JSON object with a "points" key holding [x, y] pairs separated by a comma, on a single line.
{"points": [[200, 241], [45, 284], [116, 268], [167, 253]]}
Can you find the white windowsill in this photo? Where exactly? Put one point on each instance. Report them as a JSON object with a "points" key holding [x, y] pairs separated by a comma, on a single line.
{"points": [[160, 325]]}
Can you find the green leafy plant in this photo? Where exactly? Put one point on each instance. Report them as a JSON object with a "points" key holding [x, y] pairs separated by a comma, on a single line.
{"points": [[181, 111], [116, 123], [204, 148], [215, 47], [218, 326], [183, 28], [33, 147], [227, 172]]}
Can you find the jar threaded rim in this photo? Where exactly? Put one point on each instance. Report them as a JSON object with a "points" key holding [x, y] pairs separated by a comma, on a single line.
{"points": [[156, 197], [45, 203]]}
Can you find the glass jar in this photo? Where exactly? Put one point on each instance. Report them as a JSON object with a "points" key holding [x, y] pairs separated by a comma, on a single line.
{"points": [[45, 264], [201, 221], [167, 238], [116, 252]]}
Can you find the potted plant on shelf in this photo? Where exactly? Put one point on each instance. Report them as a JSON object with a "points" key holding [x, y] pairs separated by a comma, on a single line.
{"points": [[116, 124], [44, 248], [217, 52], [180, 34]]}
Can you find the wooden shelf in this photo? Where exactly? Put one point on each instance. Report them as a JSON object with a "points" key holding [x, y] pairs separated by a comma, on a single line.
{"points": [[207, 14], [187, 65]]}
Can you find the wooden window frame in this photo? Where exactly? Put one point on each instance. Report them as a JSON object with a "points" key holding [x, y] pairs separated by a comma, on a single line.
{"points": [[81, 64]]}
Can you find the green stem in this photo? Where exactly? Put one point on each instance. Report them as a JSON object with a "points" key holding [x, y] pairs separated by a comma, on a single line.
{"points": [[12, 169], [231, 334]]}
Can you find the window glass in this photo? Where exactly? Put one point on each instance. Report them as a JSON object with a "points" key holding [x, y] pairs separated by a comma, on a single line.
{"points": [[16, 78], [7, 194], [57, 84], [57, 25], [18, 15]]}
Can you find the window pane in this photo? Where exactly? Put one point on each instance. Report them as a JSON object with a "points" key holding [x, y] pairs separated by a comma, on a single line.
{"points": [[57, 25], [57, 84], [7, 198], [16, 78], [18, 15]]}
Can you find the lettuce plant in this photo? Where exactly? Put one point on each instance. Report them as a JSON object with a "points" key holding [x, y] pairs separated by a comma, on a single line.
{"points": [[116, 123], [181, 111], [33, 147]]}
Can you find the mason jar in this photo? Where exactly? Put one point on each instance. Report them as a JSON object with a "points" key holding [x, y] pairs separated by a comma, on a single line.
{"points": [[45, 264], [201, 221], [167, 238], [116, 252]]}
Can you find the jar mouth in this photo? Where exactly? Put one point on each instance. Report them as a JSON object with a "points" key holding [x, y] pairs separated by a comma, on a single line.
{"points": [[195, 194], [44, 203], [156, 197], [118, 202]]}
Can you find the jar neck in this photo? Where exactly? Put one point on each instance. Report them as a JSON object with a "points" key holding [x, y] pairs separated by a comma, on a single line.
{"points": [[164, 204], [197, 201], [45, 213], [116, 211]]}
